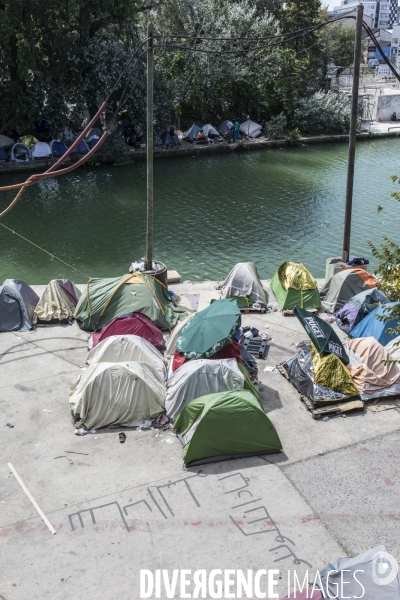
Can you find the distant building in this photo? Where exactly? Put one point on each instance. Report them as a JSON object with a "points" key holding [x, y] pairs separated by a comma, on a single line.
{"points": [[383, 12]]}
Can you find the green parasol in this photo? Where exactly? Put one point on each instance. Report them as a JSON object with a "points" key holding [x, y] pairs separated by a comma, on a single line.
{"points": [[322, 335], [209, 330]]}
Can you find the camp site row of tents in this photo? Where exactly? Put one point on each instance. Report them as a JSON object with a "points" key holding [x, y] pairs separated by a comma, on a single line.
{"points": [[29, 148], [324, 370], [210, 398], [248, 128]]}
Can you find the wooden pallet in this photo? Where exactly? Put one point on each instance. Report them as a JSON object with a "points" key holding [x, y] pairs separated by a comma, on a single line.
{"points": [[247, 309], [329, 409], [287, 313]]}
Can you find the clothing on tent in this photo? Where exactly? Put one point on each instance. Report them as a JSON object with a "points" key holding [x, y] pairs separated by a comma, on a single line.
{"points": [[198, 378], [210, 329], [373, 326], [6, 142], [20, 153], [127, 348], [3, 155], [322, 335], [58, 302], [29, 140], [293, 285], [321, 379], [17, 304], [106, 299], [81, 148], [225, 426], [359, 307], [368, 369], [116, 394], [250, 128], [393, 348], [243, 282], [41, 150], [58, 148], [130, 324], [343, 286], [372, 575]]}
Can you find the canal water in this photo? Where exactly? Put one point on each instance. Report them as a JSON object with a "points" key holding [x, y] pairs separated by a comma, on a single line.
{"points": [[210, 213]]}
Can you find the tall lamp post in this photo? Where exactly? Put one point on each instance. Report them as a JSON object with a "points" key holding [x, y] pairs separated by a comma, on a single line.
{"points": [[353, 133], [150, 138]]}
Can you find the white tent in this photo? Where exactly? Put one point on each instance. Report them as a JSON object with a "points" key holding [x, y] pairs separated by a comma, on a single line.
{"points": [[116, 394], [127, 348], [211, 132], [58, 302], [197, 378], [393, 348], [250, 128], [170, 347], [6, 142], [243, 282], [20, 152], [41, 150]]}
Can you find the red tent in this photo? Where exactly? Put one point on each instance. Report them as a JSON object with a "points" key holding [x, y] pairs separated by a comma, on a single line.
{"points": [[132, 323], [230, 351]]}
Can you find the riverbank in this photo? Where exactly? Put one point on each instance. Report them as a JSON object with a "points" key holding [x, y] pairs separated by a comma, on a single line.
{"points": [[106, 500], [192, 150]]}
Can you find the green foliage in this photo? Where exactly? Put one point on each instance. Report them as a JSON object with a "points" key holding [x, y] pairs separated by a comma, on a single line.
{"points": [[275, 126], [324, 112], [294, 137]]}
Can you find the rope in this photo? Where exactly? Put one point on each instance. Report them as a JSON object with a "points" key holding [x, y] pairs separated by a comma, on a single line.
{"points": [[43, 250]]}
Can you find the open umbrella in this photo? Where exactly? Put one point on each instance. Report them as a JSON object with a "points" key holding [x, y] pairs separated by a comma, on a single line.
{"points": [[321, 334], [210, 329]]}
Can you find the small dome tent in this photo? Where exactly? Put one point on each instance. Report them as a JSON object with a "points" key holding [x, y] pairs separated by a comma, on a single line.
{"points": [[17, 304], [20, 153], [3, 155], [373, 375], [116, 394], [210, 132], [58, 148], [359, 307], [6, 142], [58, 302], [127, 348], [372, 326], [81, 148], [130, 324], [225, 426], [41, 150], [191, 134], [293, 285], [250, 128], [243, 284], [198, 378], [343, 286]]}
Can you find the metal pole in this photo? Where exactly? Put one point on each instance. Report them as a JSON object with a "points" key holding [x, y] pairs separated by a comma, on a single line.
{"points": [[149, 239], [353, 132]]}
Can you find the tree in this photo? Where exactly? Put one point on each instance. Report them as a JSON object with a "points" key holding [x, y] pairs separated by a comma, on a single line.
{"points": [[340, 45]]}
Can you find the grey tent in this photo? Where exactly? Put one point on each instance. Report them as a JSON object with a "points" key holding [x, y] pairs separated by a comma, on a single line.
{"points": [[371, 575], [57, 303], [17, 303], [243, 282], [343, 286]]}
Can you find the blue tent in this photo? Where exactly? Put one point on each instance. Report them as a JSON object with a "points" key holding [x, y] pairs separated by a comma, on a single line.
{"points": [[93, 141], [81, 148], [3, 154], [58, 148], [371, 326]]}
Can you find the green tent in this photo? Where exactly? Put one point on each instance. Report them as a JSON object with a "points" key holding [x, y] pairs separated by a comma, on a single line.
{"points": [[225, 426], [293, 285], [105, 299]]}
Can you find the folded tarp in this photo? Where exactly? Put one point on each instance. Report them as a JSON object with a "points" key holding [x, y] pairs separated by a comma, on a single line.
{"points": [[250, 128], [17, 304], [58, 302], [243, 282], [116, 394], [128, 348], [370, 374], [198, 378]]}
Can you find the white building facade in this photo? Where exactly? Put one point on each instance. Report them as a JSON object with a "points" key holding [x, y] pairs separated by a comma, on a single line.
{"points": [[383, 12]]}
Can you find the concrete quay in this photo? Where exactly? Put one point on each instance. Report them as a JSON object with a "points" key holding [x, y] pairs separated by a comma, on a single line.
{"points": [[118, 508]]}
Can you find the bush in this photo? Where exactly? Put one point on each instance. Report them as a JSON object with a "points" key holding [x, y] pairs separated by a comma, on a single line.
{"points": [[323, 112], [275, 126], [294, 136]]}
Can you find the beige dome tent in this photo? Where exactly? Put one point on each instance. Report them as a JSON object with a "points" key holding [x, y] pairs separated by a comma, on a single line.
{"points": [[116, 394], [127, 348], [58, 302], [201, 377]]}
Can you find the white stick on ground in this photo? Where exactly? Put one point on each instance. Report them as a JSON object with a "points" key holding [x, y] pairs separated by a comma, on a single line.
{"points": [[32, 499]]}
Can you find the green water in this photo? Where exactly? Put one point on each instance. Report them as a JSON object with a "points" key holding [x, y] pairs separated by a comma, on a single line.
{"points": [[210, 212]]}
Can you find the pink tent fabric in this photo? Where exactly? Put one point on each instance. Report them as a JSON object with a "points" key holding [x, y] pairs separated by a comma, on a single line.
{"points": [[132, 323], [372, 374]]}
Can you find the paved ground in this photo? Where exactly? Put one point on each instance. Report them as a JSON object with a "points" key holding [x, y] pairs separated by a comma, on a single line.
{"points": [[121, 508]]}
